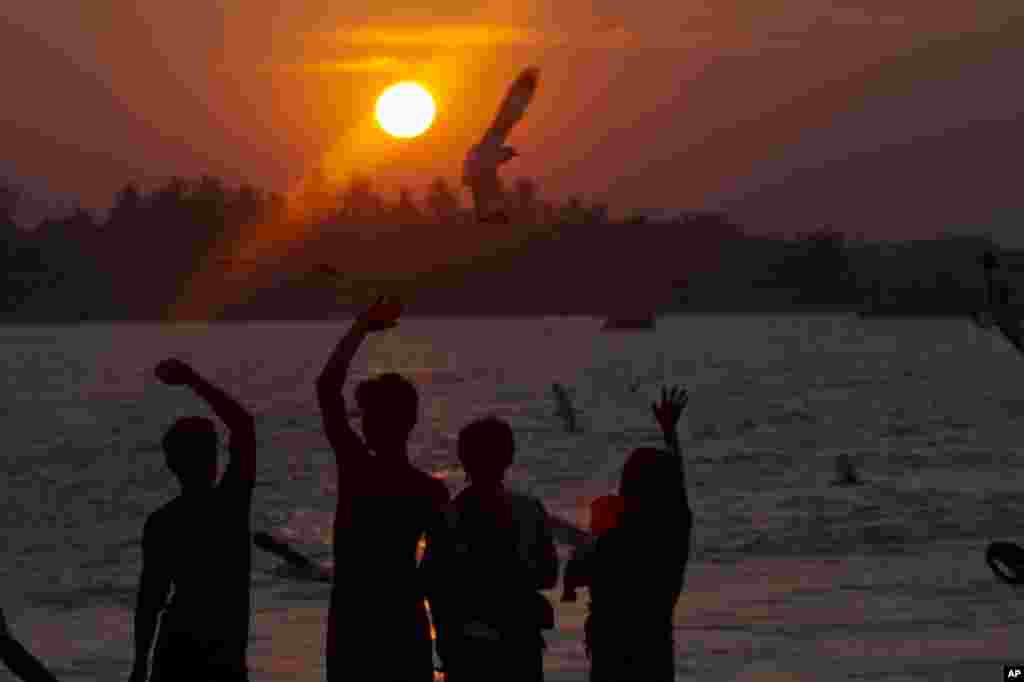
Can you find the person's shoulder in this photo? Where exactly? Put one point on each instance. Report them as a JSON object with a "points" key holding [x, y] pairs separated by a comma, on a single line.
{"points": [[613, 539], [526, 505], [520, 497], [435, 489], [234, 482], [438, 491], [158, 521], [164, 512]]}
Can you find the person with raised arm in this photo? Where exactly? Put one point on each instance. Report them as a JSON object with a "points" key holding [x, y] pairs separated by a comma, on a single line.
{"points": [[199, 544], [377, 623], [17, 658], [633, 597]]}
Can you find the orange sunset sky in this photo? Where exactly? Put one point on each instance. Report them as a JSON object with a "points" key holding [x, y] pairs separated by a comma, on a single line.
{"points": [[891, 118]]}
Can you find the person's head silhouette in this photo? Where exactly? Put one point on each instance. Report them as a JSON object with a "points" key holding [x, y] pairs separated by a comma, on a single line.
{"points": [[190, 446], [486, 448], [389, 406], [647, 478]]}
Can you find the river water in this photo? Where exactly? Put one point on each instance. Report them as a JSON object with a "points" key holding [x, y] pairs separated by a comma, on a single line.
{"points": [[791, 579]]}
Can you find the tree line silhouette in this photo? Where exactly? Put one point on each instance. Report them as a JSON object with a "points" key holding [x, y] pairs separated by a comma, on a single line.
{"points": [[134, 262]]}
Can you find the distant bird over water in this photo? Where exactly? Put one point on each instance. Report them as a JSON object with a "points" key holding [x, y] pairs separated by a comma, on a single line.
{"points": [[480, 169]]}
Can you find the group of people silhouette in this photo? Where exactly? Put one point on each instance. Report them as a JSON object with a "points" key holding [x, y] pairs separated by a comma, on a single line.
{"points": [[489, 551]]}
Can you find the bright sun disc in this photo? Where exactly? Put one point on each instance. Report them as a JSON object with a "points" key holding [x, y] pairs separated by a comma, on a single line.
{"points": [[405, 109]]}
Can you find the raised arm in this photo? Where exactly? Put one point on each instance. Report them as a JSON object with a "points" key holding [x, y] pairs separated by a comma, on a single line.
{"points": [[18, 660], [154, 588], [381, 315], [667, 414], [238, 420]]}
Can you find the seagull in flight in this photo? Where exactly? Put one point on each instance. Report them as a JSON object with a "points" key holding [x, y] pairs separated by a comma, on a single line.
{"points": [[480, 170]]}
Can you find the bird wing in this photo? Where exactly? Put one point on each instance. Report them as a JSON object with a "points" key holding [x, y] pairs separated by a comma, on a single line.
{"points": [[513, 107]]}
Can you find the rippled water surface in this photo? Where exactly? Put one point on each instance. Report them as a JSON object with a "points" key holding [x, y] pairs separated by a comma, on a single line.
{"points": [[792, 579]]}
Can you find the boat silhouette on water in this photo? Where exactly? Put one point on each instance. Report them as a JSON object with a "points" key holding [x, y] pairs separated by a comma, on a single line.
{"points": [[632, 323]]}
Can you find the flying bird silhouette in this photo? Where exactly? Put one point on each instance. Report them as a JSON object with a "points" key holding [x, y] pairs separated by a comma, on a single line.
{"points": [[480, 170]]}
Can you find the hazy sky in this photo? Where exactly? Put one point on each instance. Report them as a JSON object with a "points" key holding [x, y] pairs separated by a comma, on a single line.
{"points": [[893, 118]]}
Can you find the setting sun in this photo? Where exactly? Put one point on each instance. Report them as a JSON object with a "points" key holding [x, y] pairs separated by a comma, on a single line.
{"points": [[405, 109]]}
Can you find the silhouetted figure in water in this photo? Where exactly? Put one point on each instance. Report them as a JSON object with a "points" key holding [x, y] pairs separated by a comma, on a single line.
{"points": [[635, 571], [846, 472], [998, 297], [18, 660], [484, 575], [377, 626], [564, 407], [1006, 555], [199, 543]]}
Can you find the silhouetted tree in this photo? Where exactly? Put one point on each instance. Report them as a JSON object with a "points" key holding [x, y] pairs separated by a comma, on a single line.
{"points": [[209, 200], [127, 207], [9, 198], [246, 206], [276, 207], [442, 201], [406, 211], [24, 268], [525, 204], [168, 202], [572, 213], [359, 202], [824, 268], [548, 213], [597, 214], [713, 222], [80, 221], [317, 204]]}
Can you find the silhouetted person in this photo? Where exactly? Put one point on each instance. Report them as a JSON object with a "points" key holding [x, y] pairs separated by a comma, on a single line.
{"points": [[18, 660], [635, 572], [998, 297], [377, 623], [486, 574], [846, 472], [199, 543], [1002, 555], [565, 408]]}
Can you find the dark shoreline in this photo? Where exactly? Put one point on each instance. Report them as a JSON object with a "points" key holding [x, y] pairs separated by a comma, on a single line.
{"points": [[499, 314]]}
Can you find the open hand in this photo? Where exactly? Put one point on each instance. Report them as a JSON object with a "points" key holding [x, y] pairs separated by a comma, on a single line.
{"points": [[174, 372], [383, 314], [668, 411]]}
